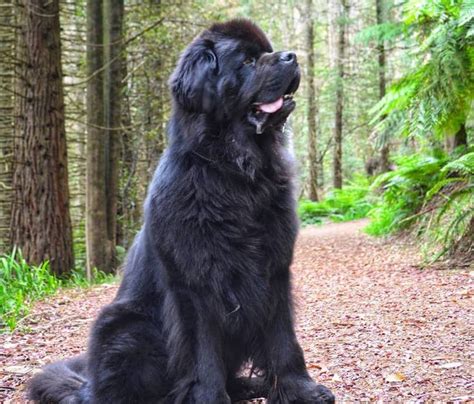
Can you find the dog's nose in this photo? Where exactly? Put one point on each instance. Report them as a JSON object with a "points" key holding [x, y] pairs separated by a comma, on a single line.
{"points": [[288, 57]]}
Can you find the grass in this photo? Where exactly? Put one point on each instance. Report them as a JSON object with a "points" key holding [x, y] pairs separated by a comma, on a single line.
{"points": [[21, 284]]}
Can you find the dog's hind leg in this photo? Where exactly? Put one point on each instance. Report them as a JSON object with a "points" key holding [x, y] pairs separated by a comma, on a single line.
{"points": [[127, 361], [61, 382]]}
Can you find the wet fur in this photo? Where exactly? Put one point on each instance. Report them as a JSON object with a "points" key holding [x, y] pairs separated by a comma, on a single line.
{"points": [[207, 284]]}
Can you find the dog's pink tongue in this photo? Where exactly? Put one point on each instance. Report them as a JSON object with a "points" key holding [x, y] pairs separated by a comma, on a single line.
{"points": [[271, 107]]}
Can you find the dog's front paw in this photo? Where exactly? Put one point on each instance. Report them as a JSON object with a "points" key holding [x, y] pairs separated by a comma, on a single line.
{"points": [[300, 390], [201, 393], [317, 393]]}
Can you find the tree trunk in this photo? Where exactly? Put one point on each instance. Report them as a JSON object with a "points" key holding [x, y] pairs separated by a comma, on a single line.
{"points": [[338, 119], [7, 50], [312, 107], [457, 140], [104, 95], [73, 45], [385, 150], [126, 206], [460, 138], [126, 171], [113, 92], [98, 249], [40, 223]]}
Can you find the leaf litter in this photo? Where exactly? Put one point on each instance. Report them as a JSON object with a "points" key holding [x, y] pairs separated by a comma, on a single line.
{"points": [[373, 326]]}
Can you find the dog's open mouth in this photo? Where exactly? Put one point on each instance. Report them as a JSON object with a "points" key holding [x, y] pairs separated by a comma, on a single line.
{"points": [[272, 107], [275, 105]]}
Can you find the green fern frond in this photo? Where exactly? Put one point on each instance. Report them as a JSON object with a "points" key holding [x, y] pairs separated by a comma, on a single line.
{"points": [[462, 165], [388, 31], [436, 188], [436, 95], [466, 13]]}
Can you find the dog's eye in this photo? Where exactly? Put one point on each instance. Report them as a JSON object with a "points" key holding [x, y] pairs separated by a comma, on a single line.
{"points": [[250, 61]]}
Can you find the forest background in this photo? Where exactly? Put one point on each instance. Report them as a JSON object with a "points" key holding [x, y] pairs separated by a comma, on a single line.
{"points": [[382, 129]]}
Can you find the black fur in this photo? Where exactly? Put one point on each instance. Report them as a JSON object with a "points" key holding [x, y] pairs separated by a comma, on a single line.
{"points": [[206, 287]]}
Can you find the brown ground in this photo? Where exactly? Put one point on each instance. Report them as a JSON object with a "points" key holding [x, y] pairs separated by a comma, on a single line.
{"points": [[374, 326]]}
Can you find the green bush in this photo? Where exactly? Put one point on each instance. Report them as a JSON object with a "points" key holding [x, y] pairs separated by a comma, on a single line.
{"points": [[78, 278], [21, 284], [447, 218], [340, 205], [311, 212], [434, 195], [404, 192]]}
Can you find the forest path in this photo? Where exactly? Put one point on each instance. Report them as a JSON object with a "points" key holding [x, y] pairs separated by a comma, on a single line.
{"points": [[374, 326]]}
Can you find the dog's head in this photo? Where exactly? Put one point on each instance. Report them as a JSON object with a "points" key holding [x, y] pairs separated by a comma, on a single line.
{"points": [[231, 71]]}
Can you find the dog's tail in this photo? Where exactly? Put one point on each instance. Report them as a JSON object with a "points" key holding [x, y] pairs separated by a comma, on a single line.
{"points": [[60, 383]]}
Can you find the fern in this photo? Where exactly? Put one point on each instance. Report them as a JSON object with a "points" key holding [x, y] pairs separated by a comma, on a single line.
{"points": [[433, 194], [435, 97], [388, 31], [463, 165], [340, 205]]}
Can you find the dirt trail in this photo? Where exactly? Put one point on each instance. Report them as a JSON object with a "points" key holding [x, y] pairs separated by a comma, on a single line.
{"points": [[374, 326]]}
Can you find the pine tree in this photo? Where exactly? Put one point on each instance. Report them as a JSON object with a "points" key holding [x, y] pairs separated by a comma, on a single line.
{"points": [[40, 221]]}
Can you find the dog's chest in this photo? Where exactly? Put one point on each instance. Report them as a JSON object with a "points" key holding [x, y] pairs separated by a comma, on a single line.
{"points": [[267, 239]]}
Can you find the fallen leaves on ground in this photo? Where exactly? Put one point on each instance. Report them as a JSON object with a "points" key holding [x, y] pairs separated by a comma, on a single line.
{"points": [[374, 327]]}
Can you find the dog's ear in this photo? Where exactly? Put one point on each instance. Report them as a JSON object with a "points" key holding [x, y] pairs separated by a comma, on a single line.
{"points": [[193, 83]]}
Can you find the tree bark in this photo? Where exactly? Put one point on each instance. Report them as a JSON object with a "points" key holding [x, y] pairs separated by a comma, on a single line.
{"points": [[98, 249], [312, 107], [458, 139], [385, 149], [40, 222], [104, 103], [7, 50], [73, 46], [338, 119], [113, 92]]}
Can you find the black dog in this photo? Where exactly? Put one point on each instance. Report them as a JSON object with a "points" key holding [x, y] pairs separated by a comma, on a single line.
{"points": [[206, 287]]}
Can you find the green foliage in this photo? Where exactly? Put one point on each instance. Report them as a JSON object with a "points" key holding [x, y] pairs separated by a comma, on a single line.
{"points": [[432, 193], [311, 212], [463, 165], [387, 31], [21, 284], [78, 278], [340, 205], [449, 208], [435, 96], [404, 191]]}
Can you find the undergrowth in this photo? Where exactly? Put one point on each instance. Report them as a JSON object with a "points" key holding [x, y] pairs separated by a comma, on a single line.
{"points": [[403, 192], [432, 195], [340, 205], [21, 284]]}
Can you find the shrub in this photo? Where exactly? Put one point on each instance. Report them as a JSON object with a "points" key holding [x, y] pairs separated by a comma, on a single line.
{"points": [[21, 284], [403, 192], [447, 218], [434, 195], [340, 205]]}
